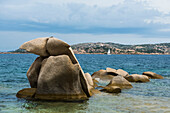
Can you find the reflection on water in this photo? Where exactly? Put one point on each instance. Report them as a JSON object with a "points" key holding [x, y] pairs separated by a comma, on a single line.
{"points": [[98, 103], [149, 97]]}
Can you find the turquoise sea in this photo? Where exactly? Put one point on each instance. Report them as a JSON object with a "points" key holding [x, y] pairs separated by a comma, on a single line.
{"points": [[153, 96]]}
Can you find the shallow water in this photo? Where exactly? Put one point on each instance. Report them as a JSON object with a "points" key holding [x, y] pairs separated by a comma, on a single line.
{"points": [[153, 96]]}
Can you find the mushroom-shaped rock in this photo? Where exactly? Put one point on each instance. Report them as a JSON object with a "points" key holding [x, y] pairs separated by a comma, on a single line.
{"points": [[59, 80], [120, 82], [102, 75], [137, 78], [33, 72], [111, 89], [36, 46], [152, 75], [27, 93], [89, 79], [110, 71]]}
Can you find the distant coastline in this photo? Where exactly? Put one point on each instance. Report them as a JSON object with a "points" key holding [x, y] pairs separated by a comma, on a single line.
{"points": [[114, 48], [13, 53], [93, 53]]}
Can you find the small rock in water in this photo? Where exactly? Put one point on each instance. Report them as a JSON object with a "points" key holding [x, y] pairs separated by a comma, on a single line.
{"points": [[152, 75], [27, 93], [121, 82], [111, 71], [137, 78], [111, 89], [102, 75]]}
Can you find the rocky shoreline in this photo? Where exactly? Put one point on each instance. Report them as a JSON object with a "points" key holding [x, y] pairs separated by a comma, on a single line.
{"points": [[115, 48], [93, 53], [56, 74]]}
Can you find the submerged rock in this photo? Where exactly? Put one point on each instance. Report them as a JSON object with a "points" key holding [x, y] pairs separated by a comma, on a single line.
{"points": [[111, 89], [137, 78], [95, 82], [27, 93], [152, 75], [121, 82]]}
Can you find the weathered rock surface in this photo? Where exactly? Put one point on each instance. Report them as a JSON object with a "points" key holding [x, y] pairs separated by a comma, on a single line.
{"points": [[57, 73], [33, 72], [152, 75], [115, 72], [95, 82], [122, 72], [89, 79], [137, 78], [111, 89], [57, 47], [59, 80], [102, 75], [27, 93], [111, 71], [120, 82], [36, 46], [95, 91]]}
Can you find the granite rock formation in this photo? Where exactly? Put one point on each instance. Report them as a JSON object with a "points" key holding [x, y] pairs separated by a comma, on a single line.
{"points": [[56, 74]]}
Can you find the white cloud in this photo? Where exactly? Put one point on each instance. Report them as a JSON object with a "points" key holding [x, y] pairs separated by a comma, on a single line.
{"points": [[162, 6], [78, 13], [164, 30], [100, 3], [159, 20]]}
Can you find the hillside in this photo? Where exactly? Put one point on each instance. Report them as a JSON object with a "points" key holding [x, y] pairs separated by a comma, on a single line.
{"points": [[102, 48]]}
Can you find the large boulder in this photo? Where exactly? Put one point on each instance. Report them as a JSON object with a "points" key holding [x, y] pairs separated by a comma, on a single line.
{"points": [[57, 74], [152, 75], [137, 78], [59, 80], [33, 72], [36, 46], [120, 82], [102, 75]]}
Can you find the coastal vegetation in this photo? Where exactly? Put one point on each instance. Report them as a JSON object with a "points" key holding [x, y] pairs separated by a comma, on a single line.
{"points": [[115, 48]]}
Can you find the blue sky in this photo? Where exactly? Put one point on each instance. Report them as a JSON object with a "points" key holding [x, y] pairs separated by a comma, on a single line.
{"points": [[78, 21]]}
